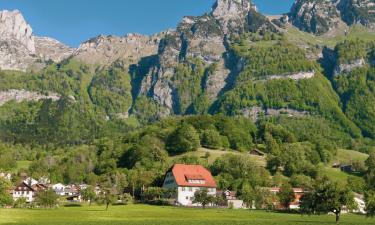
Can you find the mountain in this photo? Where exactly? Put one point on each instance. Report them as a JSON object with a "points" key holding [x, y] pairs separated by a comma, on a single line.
{"points": [[19, 48], [232, 61], [322, 16]]}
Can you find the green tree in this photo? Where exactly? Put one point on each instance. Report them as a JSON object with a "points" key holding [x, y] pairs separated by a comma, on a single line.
{"points": [[184, 139], [88, 194], [211, 139], [327, 196], [286, 195], [370, 203], [5, 197], [47, 198], [370, 175], [107, 197], [202, 197]]}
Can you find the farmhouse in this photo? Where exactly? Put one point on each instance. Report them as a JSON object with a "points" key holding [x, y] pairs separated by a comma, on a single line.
{"points": [[186, 180], [27, 190], [298, 193]]}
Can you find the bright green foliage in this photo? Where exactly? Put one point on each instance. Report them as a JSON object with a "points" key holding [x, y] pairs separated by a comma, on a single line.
{"points": [[188, 78], [184, 139], [47, 198], [146, 109], [5, 198], [370, 175], [203, 198], [286, 195], [280, 59], [88, 194], [111, 89], [327, 196], [370, 203], [234, 171], [211, 139]]}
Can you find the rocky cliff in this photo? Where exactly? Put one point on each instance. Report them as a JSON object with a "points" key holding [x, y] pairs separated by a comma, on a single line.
{"points": [[322, 16], [19, 48]]}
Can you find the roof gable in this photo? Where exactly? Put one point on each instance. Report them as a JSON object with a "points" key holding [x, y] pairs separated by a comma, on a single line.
{"points": [[193, 176]]}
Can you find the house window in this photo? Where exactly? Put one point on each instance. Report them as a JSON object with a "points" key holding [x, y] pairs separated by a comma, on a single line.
{"points": [[190, 189], [183, 189], [187, 198]]}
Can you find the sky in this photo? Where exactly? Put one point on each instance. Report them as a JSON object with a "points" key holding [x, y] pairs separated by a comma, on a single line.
{"points": [[75, 21]]}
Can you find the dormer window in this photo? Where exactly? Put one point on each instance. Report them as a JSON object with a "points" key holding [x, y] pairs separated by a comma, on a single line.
{"points": [[195, 179]]}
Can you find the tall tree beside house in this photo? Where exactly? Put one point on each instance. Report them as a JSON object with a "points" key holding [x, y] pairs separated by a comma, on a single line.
{"points": [[47, 198], [327, 196], [370, 203], [286, 195], [184, 139], [202, 197], [5, 197], [88, 194]]}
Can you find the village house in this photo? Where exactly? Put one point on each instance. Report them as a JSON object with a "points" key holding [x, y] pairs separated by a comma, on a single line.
{"points": [[232, 200], [27, 190], [298, 193], [59, 189], [186, 180]]}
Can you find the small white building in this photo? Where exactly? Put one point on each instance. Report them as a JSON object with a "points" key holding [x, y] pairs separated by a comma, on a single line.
{"points": [[59, 189], [186, 180]]}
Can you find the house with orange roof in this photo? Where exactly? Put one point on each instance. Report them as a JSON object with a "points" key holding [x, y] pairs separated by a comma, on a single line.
{"points": [[298, 193], [186, 180]]}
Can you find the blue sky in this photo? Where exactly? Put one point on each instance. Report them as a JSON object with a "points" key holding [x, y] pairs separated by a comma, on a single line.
{"points": [[74, 21]]}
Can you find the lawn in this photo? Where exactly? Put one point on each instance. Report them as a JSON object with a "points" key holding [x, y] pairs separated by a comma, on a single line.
{"points": [[157, 215], [214, 154]]}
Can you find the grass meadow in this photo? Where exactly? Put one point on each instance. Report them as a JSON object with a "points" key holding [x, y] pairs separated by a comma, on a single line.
{"points": [[158, 215]]}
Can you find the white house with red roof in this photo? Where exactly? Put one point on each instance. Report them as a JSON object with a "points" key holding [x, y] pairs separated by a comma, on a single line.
{"points": [[186, 180]]}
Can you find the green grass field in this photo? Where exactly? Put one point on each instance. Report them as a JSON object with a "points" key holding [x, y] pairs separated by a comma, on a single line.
{"points": [[157, 215]]}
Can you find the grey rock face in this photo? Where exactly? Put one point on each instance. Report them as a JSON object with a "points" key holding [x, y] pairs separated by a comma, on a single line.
{"points": [[321, 16], [203, 37], [51, 49], [23, 95], [19, 48], [14, 26], [358, 11], [348, 67], [104, 50], [315, 16]]}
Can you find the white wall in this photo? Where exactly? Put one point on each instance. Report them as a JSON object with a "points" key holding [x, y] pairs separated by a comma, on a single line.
{"points": [[185, 195], [28, 195]]}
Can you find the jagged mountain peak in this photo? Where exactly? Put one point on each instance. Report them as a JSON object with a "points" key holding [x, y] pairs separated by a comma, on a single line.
{"points": [[14, 26], [20, 48]]}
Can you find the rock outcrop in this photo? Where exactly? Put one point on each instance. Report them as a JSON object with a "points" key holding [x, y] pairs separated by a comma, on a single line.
{"points": [[204, 38], [322, 16], [51, 49], [19, 48], [315, 16], [23, 95], [104, 50], [348, 67]]}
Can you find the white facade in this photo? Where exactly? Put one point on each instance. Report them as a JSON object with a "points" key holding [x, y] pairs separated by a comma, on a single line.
{"points": [[23, 192], [185, 195], [59, 189]]}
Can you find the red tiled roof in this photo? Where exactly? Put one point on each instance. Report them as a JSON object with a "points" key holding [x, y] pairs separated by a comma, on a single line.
{"points": [[182, 173]]}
